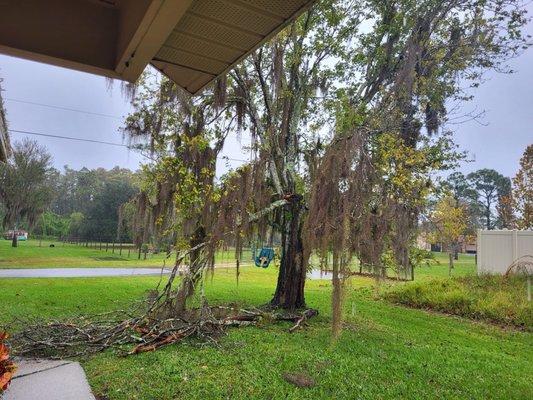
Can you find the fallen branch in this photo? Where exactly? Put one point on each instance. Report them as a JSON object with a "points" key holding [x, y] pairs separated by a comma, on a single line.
{"points": [[58, 339], [305, 316]]}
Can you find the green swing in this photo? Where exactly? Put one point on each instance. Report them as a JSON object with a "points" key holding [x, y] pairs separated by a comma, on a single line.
{"points": [[266, 255]]}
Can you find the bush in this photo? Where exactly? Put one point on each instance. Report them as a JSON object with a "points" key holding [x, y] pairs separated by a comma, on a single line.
{"points": [[491, 298], [7, 366]]}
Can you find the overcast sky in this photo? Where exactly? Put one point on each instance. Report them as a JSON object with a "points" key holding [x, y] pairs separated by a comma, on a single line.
{"points": [[43, 99], [497, 143]]}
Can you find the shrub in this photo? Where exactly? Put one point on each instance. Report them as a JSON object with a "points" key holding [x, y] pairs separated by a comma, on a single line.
{"points": [[498, 299], [7, 366]]}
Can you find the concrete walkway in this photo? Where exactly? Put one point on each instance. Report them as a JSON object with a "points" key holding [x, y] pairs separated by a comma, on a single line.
{"points": [[48, 380], [77, 272]]}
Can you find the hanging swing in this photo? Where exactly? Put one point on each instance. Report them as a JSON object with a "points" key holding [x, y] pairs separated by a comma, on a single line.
{"points": [[266, 255]]}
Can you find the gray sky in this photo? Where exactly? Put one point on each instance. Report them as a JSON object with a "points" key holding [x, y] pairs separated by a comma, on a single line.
{"points": [[497, 143], [26, 82]]}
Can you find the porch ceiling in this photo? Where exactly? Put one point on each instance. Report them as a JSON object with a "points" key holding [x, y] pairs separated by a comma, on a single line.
{"points": [[191, 41]]}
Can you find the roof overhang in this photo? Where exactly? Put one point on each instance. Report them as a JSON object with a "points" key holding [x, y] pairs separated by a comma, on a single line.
{"points": [[191, 41]]}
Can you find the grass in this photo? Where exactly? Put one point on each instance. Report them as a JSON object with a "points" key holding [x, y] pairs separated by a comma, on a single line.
{"points": [[385, 351], [466, 265], [30, 255], [492, 298]]}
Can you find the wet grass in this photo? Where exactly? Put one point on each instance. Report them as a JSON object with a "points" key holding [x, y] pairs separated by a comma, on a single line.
{"points": [[385, 351], [492, 298], [36, 254]]}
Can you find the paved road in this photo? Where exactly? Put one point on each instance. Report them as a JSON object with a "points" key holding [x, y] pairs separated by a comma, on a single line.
{"points": [[76, 272], [102, 272]]}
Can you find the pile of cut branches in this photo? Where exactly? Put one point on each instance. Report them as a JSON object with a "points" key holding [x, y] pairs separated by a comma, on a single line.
{"points": [[160, 320], [88, 335]]}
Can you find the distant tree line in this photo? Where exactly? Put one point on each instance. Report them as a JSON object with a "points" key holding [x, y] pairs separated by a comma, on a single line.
{"points": [[70, 203], [493, 201], [483, 199], [87, 202]]}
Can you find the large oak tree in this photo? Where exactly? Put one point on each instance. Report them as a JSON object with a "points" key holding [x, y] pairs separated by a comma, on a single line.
{"points": [[26, 188]]}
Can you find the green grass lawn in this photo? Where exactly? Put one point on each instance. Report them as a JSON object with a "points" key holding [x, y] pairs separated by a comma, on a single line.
{"points": [[385, 351], [33, 254], [466, 265], [30, 254]]}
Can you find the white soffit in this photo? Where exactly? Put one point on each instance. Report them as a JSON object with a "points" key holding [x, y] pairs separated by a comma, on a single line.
{"points": [[191, 41]]}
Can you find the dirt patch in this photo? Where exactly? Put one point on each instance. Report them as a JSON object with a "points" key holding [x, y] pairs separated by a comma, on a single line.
{"points": [[299, 379]]}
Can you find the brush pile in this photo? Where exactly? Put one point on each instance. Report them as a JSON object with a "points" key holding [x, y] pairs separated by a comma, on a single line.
{"points": [[83, 336]]}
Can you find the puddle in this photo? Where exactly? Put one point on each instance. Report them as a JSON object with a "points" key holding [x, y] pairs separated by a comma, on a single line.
{"points": [[316, 274], [77, 272]]}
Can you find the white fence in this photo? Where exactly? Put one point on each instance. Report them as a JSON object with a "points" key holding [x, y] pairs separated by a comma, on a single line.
{"points": [[497, 250]]}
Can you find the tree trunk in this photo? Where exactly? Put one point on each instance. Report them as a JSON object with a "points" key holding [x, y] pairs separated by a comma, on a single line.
{"points": [[291, 278], [14, 241], [450, 266], [337, 297], [189, 281]]}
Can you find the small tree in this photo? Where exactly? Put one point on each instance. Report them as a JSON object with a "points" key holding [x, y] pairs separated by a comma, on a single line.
{"points": [[76, 224], [523, 190], [506, 217], [459, 187], [25, 184], [184, 136], [463, 193], [449, 221]]}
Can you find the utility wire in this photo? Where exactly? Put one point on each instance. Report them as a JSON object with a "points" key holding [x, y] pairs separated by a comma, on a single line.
{"points": [[96, 141], [69, 138], [80, 139], [62, 108]]}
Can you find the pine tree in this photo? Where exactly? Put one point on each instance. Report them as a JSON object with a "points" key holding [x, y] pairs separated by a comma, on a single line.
{"points": [[523, 190]]}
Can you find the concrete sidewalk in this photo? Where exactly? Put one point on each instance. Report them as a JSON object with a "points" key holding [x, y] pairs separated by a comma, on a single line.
{"points": [[48, 380]]}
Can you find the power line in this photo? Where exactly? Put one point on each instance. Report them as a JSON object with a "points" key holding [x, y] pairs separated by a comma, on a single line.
{"points": [[69, 138], [81, 139], [96, 141], [63, 108]]}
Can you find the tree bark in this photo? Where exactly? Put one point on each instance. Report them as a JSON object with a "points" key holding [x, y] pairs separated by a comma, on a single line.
{"points": [[189, 281], [291, 278], [487, 216], [450, 256], [337, 297]]}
